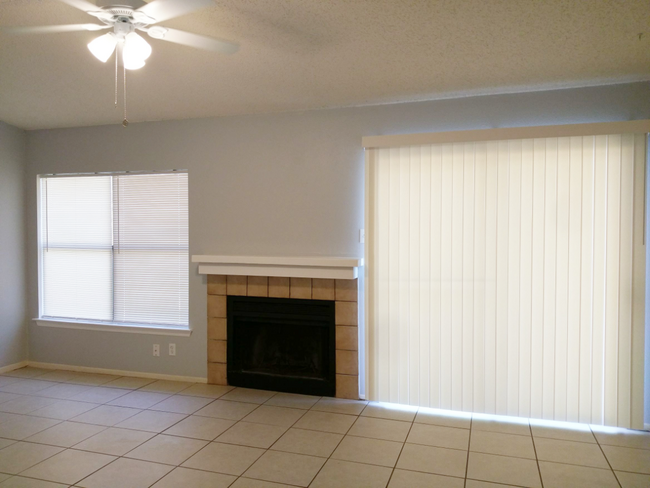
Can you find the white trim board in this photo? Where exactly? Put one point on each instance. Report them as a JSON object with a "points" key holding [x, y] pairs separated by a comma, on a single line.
{"points": [[124, 328], [280, 266], [117, 372], [10, 367]]}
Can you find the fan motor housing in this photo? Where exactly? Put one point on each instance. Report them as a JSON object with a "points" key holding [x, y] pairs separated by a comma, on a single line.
{"points": [[123, 26]]}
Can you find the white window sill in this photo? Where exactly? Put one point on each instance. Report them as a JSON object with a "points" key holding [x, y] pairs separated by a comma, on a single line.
{"points": [[104, 327]]}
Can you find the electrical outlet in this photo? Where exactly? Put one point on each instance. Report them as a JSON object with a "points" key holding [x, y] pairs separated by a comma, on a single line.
{"points": [[156, 349], [172, 349]]}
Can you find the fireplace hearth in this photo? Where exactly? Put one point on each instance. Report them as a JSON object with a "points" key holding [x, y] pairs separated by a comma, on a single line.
{"points": [[282, 344]]}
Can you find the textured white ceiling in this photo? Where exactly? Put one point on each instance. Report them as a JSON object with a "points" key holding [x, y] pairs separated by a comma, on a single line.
{"points": [[306, 54]]}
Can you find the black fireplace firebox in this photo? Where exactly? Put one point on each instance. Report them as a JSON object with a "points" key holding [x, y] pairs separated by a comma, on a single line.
{"points": [[282, 345]]}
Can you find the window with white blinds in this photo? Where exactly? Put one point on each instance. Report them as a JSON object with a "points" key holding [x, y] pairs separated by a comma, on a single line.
{"points": [[507, 277], [114, 248]]}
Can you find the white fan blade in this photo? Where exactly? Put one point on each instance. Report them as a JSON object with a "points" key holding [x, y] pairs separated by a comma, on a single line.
{"points": [[167, 9], [80, 4], [52, 29], [199, 41]]}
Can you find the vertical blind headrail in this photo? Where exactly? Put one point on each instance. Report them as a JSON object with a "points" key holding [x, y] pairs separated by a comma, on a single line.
{"points": [[507, 134]]}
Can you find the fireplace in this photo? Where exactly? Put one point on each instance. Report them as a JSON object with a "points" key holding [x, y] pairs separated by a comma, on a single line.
{"points": [[282, 344], [341, 292]]}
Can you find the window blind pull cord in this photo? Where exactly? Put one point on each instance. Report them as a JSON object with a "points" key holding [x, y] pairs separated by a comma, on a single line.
{"points": [[645, 185], [47, 221], [117, 181]]}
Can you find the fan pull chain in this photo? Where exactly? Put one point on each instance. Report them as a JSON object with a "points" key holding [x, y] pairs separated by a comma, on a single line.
{"points": [[125, 122]]}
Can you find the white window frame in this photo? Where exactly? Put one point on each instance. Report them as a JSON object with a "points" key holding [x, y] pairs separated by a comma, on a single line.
{"points": [[156, 329]]}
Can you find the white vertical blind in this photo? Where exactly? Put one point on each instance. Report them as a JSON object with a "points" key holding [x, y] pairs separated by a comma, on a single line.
{"points": [[114, 248], [507, 277]]}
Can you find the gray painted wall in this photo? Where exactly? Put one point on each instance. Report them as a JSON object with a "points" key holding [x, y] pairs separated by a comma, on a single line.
{"points": [[279, 184], [13, 332]]}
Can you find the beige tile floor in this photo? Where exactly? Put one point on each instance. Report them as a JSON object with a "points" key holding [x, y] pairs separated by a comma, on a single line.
{"points": [[63, 429]]}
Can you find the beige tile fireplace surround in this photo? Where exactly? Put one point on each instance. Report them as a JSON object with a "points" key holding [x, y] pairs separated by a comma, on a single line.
{"points": [[344, 292]]}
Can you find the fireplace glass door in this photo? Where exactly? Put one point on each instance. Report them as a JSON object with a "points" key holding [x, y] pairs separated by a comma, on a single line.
{"points": [[282, 344]]}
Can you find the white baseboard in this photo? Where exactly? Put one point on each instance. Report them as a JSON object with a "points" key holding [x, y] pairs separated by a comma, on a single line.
{"points": [[117, 372], [11, 367]]}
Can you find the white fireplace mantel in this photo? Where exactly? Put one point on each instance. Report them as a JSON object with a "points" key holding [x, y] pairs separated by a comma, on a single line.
{"points": [[281, 266]]}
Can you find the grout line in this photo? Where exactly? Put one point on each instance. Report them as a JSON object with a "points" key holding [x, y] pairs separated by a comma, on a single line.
{"points": [[606, 459], [337, 445], [469, 444], [402, 449], [99, 469], [283, 434], [539, 469]]}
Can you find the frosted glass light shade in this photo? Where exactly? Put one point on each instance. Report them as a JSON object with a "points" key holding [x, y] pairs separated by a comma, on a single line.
{"points": [[136, 50], [131, 62], [103, 46]]}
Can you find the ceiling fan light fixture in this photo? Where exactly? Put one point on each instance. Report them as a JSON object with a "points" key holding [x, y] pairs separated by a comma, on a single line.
{"points": [[136, 48], [131, 48], [103, 46], [131, 62]]}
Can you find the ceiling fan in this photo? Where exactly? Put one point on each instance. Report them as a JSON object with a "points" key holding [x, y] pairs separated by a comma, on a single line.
{"points": [[124, 19]]}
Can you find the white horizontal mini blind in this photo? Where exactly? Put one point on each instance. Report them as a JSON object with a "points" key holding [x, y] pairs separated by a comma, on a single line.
{"points": [[115, 248], [76, 248], [507, 277], [151, 258]]}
